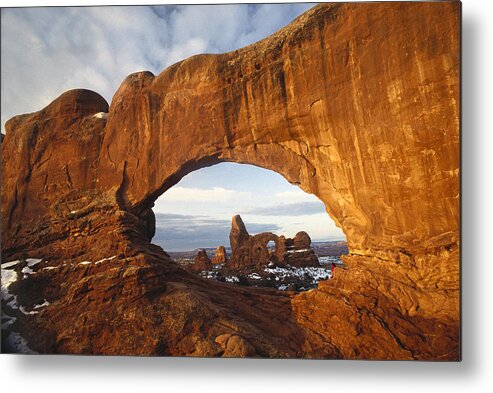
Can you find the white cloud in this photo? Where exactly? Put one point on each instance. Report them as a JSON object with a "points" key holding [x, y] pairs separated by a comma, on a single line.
{"points": [[295, 196], [319, 226], [46, 51], [215, 194], [187, 232], [289, 209], [192, 46]]}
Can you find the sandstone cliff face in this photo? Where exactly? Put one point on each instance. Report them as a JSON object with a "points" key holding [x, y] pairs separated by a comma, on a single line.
{"points": [[357, 103]]}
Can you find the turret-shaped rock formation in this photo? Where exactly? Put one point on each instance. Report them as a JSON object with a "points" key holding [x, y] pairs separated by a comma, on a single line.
{"points": [[238, 234], [252, 251]]}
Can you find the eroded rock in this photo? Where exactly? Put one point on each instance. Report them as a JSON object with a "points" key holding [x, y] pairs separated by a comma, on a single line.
{"points": [[201, 262], [220, 256], [253, 251], [357, 103]]}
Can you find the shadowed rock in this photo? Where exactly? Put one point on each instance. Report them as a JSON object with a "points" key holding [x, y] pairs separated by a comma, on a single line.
{"points": [[201, 262]]}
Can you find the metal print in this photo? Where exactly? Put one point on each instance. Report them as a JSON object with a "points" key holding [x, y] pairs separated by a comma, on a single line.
{"points": [[117, 241]]}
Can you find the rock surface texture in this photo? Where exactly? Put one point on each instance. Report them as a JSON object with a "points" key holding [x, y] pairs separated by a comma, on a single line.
{"points": [[220, 255], [299, 251], [357, 103]]}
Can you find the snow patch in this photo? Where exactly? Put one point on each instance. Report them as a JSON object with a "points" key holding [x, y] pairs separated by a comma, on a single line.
{"points": [[208, 274], [232, 279], [8, 320], [14, 340], [23, 310], [105, 259], [97, 262], [44, 304], [6, 265], [27, 271], [12, 301], [100, 115], [8, 277], [328, 260], [303, 250], [314, 273], [18, 344], [32, 261]]}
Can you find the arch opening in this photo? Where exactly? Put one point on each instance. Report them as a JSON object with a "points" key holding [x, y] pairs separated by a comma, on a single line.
{"points": [[284, 236]]}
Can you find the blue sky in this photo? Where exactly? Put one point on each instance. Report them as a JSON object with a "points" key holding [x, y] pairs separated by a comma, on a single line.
{"points": [[46, 51], [197, 211]]}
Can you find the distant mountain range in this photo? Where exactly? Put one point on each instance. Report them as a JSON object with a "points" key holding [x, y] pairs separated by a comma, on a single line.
{"points": [[322, 249]]}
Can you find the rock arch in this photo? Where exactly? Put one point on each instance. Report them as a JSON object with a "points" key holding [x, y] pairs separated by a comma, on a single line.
{"points": [[266, 105], [354, 105]]}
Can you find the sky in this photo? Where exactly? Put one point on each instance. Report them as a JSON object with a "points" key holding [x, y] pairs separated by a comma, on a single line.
{"points": [[197, 211], [46, 51]]}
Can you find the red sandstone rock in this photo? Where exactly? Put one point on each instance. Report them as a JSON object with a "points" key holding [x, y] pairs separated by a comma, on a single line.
{"points": [[202, 262], [357, 103], [302, 240], [220, 256], [235, 346], [238, 234], [301, 253], [251, 252]]}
